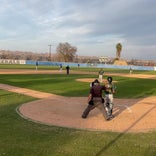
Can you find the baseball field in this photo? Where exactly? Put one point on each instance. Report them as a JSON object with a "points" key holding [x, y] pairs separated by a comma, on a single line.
{"points": [[41, 113]]}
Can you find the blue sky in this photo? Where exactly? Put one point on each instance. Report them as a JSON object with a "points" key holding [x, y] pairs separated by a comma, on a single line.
{"points": [[93, 26]]}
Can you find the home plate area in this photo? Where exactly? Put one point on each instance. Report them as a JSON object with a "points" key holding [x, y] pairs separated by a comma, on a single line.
{"points": [[130, 115]]}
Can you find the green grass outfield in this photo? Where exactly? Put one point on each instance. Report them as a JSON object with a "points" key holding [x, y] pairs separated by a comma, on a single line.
{"points": [[90, 69], [67, 85], [19, 137]]}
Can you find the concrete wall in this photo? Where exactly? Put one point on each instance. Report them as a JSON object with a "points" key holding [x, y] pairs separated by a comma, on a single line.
{"points": [[9, 61]]}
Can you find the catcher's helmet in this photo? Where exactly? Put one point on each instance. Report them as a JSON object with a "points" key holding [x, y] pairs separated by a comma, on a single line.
{"points": [[110, 79], [96, 82]]}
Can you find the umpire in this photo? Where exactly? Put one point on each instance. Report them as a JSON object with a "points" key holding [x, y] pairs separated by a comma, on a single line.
{"points": [[95, 100]]}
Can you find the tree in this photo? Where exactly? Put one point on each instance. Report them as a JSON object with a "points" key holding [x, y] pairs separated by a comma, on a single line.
{"points": [[118, 50], [66, 52]]}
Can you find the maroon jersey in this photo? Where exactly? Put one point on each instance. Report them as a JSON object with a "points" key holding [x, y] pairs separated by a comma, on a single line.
{"points": [[96, 91]]}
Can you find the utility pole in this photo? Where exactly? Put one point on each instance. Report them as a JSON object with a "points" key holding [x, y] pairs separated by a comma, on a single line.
{"points": [[50, 52]]}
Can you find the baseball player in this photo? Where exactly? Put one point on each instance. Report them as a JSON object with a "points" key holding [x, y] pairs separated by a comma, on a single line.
{"points": [[109, 91], [101, 73]]}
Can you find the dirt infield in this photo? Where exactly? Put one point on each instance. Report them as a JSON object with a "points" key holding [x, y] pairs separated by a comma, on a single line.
{"points": [[131, 115]]}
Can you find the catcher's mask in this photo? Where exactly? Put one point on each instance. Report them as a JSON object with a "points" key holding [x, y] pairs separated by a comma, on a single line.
{"points": [[96, 82], [109, 79]]}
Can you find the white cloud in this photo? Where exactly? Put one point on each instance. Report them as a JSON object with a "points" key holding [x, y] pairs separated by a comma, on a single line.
{"points": [[94, 27]]}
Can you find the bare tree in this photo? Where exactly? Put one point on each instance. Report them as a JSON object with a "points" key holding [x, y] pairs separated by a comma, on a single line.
{"points": [[66, 52]]}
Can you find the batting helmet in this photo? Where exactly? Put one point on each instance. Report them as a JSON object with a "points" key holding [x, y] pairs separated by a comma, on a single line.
{"points": [[110, 79]]}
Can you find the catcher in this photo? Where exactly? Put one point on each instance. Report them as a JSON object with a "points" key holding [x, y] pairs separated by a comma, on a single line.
{"points": [[109, 91]]}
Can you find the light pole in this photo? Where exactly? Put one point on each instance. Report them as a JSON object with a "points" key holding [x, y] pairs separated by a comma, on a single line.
{"points": [[50, 52]]}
